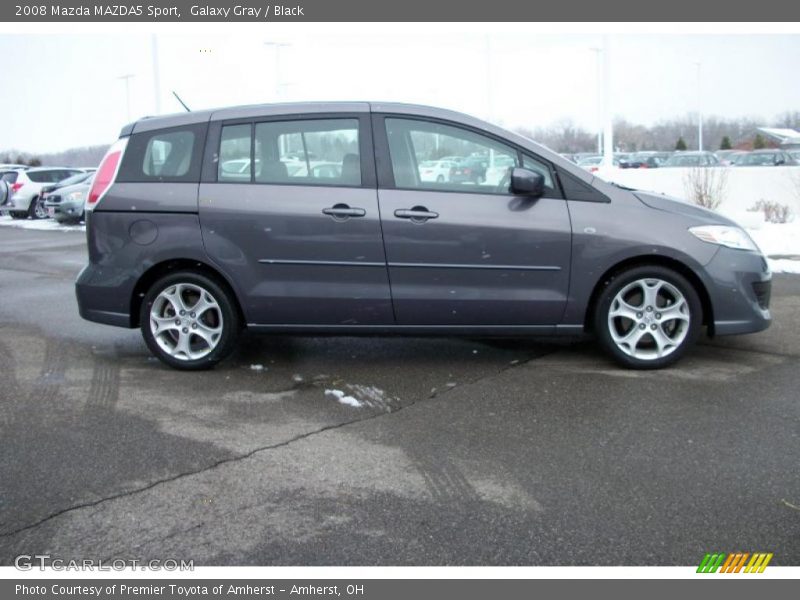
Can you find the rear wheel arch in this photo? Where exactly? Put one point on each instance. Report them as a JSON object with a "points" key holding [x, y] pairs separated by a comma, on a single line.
{"points": [[159, 270], [658, 261]]}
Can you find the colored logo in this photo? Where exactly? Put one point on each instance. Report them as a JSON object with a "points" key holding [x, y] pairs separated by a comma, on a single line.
{"points": [[735, 562]]}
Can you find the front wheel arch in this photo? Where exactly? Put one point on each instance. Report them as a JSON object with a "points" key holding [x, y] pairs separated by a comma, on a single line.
{"points": [[646, 261]]}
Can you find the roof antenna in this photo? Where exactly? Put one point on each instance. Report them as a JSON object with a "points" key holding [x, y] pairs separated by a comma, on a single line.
{"points": [[183, 104]]}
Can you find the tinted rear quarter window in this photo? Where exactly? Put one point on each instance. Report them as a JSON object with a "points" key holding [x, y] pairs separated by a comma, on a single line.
{"points": [[164, 155], [10, 177]]}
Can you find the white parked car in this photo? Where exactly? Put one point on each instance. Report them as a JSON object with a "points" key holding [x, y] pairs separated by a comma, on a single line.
{"points": [[25, 186], [436, 170]]}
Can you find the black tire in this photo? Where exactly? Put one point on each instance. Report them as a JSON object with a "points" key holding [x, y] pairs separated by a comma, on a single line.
{"points": [[16, 214], [231, 325], [616, 284], [36, 202]]}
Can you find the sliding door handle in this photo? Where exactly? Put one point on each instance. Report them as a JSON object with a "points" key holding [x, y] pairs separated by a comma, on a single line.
{"points": [[418, 214], [342, 212]]}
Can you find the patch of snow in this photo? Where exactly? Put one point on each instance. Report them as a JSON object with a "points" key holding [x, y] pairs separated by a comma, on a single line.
{"points": [[256, 367], [784, 265], [343, 398], [297, 378], [39, 225]]}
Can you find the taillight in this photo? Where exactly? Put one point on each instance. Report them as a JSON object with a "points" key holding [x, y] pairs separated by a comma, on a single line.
{"points": [[15, 187], [106, 172]]}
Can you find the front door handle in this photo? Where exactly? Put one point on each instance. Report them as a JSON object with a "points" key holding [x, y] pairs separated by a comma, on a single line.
{"points": [[342, 212], [418, 214]]}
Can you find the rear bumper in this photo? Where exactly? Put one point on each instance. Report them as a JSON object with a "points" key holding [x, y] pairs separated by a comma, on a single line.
{"points": [[740, 292], [100, 298]]}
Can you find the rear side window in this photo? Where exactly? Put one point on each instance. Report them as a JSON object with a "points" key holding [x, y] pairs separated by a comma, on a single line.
{"points": [[10, 177], [166, 155], [234, 153], [308, 152], [47, 176]]}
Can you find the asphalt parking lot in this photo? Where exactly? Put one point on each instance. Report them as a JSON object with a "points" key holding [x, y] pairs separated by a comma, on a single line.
{"points": [[461, 451]]}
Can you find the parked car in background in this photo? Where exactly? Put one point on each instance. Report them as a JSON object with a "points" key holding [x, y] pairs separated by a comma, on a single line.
{"points": [[26, 185], [192, 258], [436, 170], [66, 203], [593, 163], [728, 157], [12, 166], [795, 154], [765, 158], [470, 169], [724, 156], [73, 179], [692, 159], [644, 160]]}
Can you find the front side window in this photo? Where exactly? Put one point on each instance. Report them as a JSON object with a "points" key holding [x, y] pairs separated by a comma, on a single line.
{"points": [[308, 152], [433, 156]]}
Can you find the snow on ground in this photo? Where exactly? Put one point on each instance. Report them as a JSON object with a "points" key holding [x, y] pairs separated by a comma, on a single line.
{"points": [[343, 398], [39, 225], [780, 242]]}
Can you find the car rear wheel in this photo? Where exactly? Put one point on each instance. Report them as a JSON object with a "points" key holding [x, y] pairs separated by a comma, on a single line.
{"points": [[648, 317], [37, 209], [189, 321]]}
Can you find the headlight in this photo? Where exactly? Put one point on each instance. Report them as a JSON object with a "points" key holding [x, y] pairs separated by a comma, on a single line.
{"points": [[76, 196], [724, 235]]}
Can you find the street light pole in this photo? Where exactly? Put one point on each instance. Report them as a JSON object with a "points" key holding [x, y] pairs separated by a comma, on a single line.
{"points": [[608, 125], [699, 66], [127, 79], [278, 78], [598, 75], [156, 74]]}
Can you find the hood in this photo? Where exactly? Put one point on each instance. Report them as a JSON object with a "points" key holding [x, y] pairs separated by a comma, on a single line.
{"points": [[75, 187], [679, 207]]}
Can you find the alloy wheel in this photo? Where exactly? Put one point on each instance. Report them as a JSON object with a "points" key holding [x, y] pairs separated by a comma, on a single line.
{"points": [[649, 319], [186, 321]]}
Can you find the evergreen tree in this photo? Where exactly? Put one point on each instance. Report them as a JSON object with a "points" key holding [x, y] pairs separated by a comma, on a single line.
{"points": [[758, 142], [681, 144], [726, 144]]}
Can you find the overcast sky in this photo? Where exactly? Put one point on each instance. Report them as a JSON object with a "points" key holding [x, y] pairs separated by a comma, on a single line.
{"points": [[62, 91]]}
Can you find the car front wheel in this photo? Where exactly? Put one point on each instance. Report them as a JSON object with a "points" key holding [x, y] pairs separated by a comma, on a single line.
{"points": [[648, 317], [37, 209], [189, 321]]}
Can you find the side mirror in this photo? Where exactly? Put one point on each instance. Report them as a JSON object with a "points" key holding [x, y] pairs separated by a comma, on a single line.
{"points": [[525, 182]]}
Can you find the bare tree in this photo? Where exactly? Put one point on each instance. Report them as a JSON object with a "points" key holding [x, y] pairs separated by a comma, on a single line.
{"points": [[706, 186]]}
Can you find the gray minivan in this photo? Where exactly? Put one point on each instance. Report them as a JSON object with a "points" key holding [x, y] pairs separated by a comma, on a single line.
{"points": [[314, 218]]}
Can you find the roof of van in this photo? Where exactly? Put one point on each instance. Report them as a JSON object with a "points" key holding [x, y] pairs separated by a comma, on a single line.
{"points": [[305, 108]]}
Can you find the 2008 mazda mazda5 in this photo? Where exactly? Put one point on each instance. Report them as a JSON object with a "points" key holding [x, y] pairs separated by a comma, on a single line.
{"points": [[365, 218]]}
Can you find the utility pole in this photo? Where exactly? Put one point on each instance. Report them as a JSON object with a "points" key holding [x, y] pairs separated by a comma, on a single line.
{"points": [[608, 134], [278, 76], [127, 79], [699, 66], [156, 75], [599, 77], [488, 82]]}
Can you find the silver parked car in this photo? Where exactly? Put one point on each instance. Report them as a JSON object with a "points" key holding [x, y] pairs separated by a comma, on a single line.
{"points": [[24, 199], [65, 204], [191, 253]]}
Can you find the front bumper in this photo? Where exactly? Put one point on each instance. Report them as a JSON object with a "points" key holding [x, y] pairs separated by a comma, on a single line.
{"points": [[739, 291]]}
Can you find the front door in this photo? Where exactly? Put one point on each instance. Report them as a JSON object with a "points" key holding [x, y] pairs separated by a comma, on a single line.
{"points": [[462, 250], [293, 218]]}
